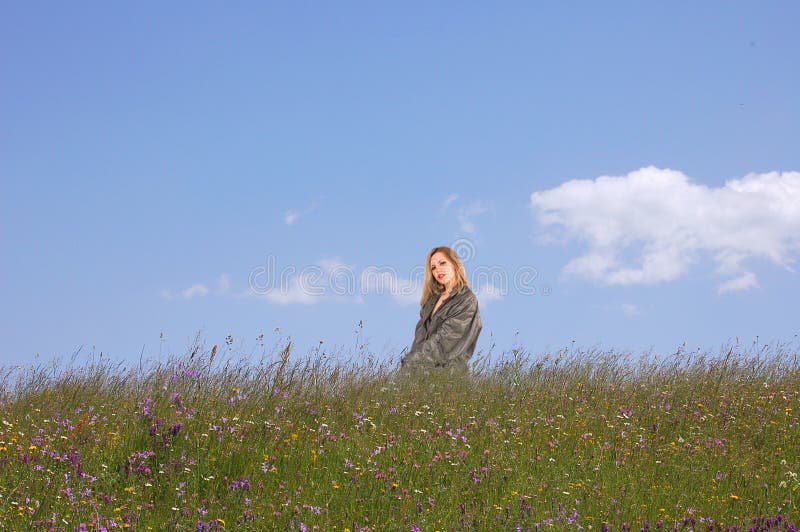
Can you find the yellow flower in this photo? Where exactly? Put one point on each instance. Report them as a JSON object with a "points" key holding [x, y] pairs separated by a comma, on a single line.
{"points": [[734, 497]]}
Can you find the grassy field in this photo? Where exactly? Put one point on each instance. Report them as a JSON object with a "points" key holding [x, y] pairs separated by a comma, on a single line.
{"points": [[582, 439]]}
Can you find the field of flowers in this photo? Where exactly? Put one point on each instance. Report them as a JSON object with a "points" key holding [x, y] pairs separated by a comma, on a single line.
{"points": [[576, 439]]}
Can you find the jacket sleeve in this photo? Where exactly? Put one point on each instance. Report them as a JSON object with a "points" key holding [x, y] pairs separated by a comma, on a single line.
{"points": [[453, 340]]}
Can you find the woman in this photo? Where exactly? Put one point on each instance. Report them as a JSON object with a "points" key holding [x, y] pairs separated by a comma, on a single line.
{"points": [[449, 320]]}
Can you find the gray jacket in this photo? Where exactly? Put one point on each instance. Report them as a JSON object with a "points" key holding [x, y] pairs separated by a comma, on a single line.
{"points": [[448, 338]]}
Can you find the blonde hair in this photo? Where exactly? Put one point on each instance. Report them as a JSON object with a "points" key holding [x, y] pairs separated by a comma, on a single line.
{"points": [[430, 285]]}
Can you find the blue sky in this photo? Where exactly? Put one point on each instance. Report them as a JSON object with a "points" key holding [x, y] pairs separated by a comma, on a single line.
{"points": [[620, 176]]}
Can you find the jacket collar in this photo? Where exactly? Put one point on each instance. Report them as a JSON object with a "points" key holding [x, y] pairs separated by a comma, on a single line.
{"points": [[458, 290], [435, 295]]}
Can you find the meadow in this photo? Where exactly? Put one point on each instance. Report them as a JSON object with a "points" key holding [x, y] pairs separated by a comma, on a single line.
{"points": [[215, 439]]}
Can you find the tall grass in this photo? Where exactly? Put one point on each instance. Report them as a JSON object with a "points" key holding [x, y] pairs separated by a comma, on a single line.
{"points": [[576, 439]]}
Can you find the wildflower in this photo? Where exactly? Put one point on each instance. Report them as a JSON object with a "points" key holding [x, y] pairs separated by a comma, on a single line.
{"points": [[241, 484]]}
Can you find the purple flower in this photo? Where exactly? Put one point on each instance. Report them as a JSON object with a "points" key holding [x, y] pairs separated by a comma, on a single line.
{"points": [[241, 484]]}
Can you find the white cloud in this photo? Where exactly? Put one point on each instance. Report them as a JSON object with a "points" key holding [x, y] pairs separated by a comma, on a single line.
{"points": [[739, 284], [328, 279], [666, 222], [448, 201], [629, 309], [488, 293], [386, 281], [296, 290], [292, 216], [340, 280], [198, 290], [467, 213], [223, 284]]}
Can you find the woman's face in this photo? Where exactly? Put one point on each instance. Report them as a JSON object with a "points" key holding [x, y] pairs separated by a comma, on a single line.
{"points": [[442, 269]]}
